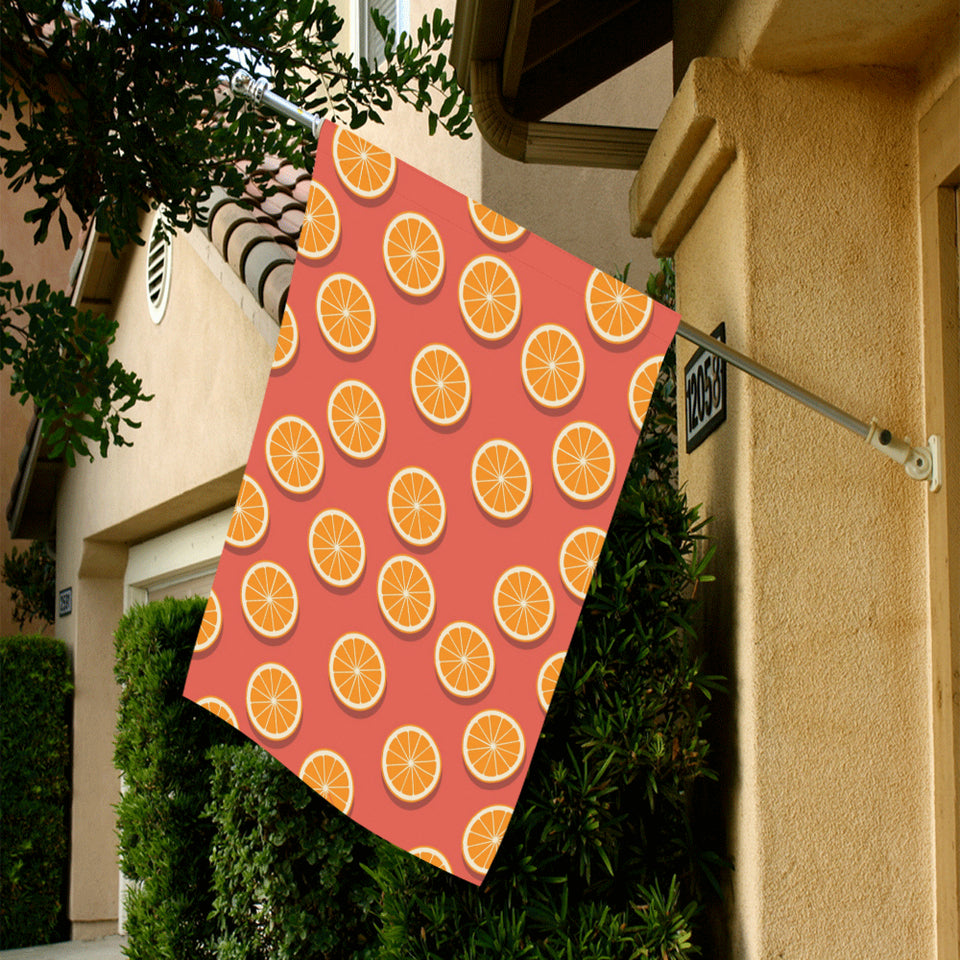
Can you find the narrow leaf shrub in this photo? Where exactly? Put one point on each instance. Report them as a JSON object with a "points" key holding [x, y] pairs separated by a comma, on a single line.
{"points": [[35, 691], [161, 746], [599, 860], [286, 865]]}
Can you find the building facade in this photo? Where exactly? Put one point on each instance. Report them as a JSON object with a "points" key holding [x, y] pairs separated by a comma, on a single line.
{"points": [[198, 319]]}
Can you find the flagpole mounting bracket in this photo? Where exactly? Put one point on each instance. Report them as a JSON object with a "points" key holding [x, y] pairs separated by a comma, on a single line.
{"points": [[920, 463]]}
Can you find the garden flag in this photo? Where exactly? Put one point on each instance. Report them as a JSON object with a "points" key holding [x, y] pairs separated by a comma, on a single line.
{"points": [[451, 411]]}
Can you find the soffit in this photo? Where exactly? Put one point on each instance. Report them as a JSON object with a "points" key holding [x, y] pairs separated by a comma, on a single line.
{"points": [[553, 51]]}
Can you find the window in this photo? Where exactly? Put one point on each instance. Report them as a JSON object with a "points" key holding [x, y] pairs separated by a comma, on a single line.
{"points": [[159, 255], [369, 43]]}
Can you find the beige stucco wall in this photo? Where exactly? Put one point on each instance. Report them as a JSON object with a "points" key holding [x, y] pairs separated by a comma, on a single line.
{"points": [[207, 364], [809, 250], [31, 263], [581, 210]]}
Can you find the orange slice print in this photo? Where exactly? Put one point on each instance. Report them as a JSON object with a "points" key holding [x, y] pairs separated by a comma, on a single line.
{"points": [[416, 506], [578, 558], [500, 476], [410, 764], [493, 746], [321, 224], [489, 297], [552, 366], [357, 673], [617, 313], [345, 313], [274, 704], [523, 604], [337, 550], [405, 594], [327, 773], [219, 708], [356, 420], [269, 599], [432, 855], [483, 835], [294, 455], [287, 341], [642, 382], [251, 515], [413, 254], [365, 170], [492, 225], [583, 461], [464, 661], [547, 679], [440, 384], [210, 625]]}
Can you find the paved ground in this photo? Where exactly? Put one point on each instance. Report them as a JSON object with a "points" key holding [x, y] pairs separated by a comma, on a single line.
{"points": [[106, 949]]}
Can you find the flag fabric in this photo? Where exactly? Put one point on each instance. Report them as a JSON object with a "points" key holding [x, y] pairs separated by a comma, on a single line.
{"points": [[451, 411]]}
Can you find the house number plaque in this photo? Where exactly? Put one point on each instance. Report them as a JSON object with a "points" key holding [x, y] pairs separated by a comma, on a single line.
{"points": [[705, 392]]}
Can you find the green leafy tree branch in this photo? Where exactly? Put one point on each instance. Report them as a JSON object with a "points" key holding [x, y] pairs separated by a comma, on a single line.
{"points": [[120, 107]]}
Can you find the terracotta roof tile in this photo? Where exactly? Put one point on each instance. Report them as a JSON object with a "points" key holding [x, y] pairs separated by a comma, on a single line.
{"points": [[291, 222], [257, 234], [276, 285], [301, 191]]}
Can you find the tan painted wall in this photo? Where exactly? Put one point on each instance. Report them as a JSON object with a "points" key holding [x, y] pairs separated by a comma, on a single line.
{"points": [[809, 250], [49, 261], [208, 365]]}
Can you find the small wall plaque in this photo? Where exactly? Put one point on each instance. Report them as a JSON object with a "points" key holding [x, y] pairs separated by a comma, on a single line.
{"points": [[705, 391], [65, 602]]}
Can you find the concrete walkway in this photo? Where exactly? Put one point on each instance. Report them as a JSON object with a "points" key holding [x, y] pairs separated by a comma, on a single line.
{"points": [[106, 949]]}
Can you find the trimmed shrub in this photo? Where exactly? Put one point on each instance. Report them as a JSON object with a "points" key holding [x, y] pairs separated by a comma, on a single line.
{"points": [[161, 746], [286, 865], [35, 693]]}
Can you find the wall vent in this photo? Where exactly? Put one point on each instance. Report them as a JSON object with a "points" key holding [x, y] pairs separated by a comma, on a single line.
{"points": [[159, 256]]}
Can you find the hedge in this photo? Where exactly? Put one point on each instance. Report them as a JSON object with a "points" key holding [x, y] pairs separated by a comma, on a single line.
{"points": [[286, 866], [35, 699], [161, 745]]}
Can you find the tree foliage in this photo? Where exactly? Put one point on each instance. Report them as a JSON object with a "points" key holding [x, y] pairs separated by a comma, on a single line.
{"points": [[120, 106], [31, 576]]}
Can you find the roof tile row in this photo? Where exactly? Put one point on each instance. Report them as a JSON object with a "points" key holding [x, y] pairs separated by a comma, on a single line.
{"points": [[258, 235]]}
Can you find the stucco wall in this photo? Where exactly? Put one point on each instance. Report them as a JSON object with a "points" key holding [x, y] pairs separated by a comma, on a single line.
{"points": [[31, 263], [809, 250]]}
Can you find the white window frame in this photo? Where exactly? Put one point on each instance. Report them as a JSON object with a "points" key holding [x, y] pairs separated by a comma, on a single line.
{"points": [[359, 12]]}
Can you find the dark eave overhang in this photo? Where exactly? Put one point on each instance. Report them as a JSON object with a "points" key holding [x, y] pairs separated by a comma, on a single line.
{"points": [[521, 60]]}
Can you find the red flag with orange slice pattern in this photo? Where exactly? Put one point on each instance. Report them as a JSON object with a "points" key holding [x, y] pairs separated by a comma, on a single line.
{"points": [[451, 411]]}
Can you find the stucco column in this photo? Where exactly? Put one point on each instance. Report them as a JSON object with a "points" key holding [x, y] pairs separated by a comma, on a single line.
{"points": [[789, 203], [97, 585]]}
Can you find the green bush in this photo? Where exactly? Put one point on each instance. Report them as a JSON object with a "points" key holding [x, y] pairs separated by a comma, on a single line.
{"points": [[35, 693], [286, 865], [161, 746], [600, 859]]}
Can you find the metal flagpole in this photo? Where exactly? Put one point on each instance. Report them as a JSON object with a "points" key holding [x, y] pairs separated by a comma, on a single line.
{"points": [[920, 462]]}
